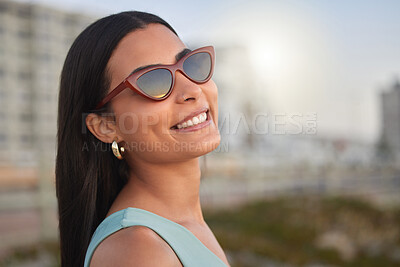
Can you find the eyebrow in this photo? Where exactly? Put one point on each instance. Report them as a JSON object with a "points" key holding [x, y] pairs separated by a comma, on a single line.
{"points": [[178, 56]]}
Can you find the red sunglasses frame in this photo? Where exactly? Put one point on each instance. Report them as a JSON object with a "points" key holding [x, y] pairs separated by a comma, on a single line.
{"points": [[130, 81]]}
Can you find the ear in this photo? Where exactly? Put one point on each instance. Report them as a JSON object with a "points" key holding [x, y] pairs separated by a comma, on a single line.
{"points": [[102, 127]]}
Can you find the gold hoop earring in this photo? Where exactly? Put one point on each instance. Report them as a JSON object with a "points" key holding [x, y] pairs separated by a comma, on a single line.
{"points": [[117, 151]]}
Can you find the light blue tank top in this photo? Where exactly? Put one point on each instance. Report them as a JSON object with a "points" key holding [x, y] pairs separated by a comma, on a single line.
{"points": [[189, 249]]}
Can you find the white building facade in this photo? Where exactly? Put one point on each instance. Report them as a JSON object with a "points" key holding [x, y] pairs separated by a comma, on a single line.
{"points": [[34, 41], [390, 103]]}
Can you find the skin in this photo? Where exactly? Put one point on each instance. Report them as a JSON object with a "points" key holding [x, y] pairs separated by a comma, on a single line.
{"points": [[166, 180]]}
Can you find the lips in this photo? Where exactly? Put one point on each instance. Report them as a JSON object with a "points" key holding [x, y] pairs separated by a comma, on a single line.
{"points": [[191, 116]]}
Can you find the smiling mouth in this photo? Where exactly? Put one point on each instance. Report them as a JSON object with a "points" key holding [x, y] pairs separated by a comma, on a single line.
{"points": [[191, 122]]}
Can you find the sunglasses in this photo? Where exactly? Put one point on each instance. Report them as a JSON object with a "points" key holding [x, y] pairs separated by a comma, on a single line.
{"points": [[157, 82]]}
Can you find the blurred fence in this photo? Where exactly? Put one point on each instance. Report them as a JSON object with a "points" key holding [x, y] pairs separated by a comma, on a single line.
{"points": [[29, 215], [382, 188]]}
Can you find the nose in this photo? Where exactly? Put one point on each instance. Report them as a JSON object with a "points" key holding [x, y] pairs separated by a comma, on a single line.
{"points": [[185, 89]]}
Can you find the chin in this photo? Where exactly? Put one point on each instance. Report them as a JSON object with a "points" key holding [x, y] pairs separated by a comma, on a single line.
{"points": [[202, 148]]}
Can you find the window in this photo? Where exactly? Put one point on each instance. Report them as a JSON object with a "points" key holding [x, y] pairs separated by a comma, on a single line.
{"points": [[24, 11], [26, 117], [3, 138], [24, 75], [69, 21], [44, 57], [3, 7], [26, 139], [24, 34], [3, 95]]}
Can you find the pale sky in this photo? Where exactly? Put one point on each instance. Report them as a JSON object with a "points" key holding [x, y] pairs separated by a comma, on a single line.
{"points": [[329, 57]]}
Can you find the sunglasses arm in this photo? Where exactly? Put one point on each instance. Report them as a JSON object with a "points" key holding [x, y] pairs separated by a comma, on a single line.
{"points": [[112, 94]]}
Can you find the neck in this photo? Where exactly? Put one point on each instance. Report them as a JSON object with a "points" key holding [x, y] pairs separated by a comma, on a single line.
{"points": [[169, 190]]}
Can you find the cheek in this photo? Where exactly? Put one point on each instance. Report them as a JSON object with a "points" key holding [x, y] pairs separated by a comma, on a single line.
{"points": [[211, 91], [143, 135], [131, 124], [128, 123], [141, 126]]}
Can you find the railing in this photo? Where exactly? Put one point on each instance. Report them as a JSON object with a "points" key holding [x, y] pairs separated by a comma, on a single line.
{"points": [[28, 215]]}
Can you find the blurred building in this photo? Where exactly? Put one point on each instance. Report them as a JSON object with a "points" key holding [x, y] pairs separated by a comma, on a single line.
{"points": [[240, 97], [250, 129], [34, 41], [390, 139]]}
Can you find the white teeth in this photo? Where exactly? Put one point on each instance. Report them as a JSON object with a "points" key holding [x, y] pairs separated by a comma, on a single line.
{"points": [[195, 120]]}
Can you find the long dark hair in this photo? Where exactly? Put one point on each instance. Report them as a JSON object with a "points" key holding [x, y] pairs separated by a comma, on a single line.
{"points": [[88, 176]]}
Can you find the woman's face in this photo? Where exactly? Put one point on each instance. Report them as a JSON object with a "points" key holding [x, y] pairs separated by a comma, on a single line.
{"points": [[145, 125]]}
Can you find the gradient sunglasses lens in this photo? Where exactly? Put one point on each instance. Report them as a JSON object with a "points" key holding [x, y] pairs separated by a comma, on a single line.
{"points": [[155, 83], [198, 66]]}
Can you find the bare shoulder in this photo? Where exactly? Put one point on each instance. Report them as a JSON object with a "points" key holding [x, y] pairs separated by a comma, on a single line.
{"points": [[134, 246]]}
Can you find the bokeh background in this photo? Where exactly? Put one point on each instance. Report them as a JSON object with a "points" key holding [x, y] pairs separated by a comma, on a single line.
{"points": [[308, 169]]}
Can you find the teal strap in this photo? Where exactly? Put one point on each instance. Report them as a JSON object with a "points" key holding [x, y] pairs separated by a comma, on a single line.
{"points": [[189, 249]]}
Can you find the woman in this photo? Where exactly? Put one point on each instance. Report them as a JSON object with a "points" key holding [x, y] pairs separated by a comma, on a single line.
{"points": [[130, 135]]}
